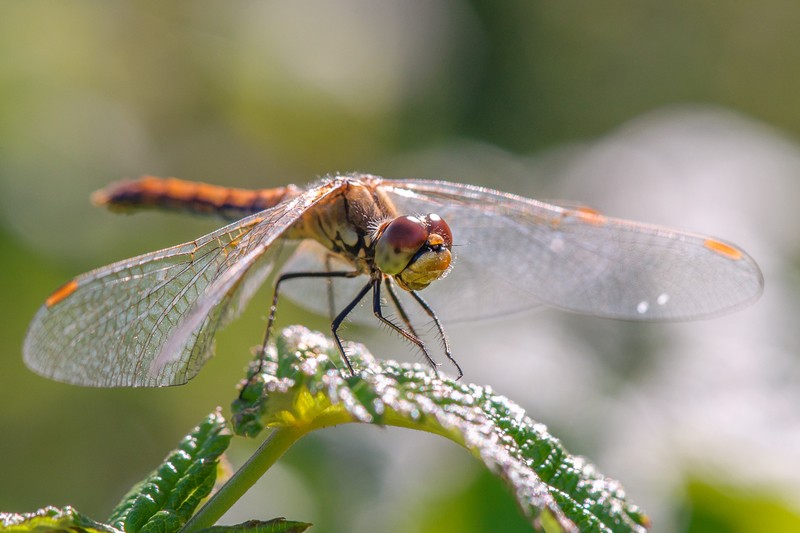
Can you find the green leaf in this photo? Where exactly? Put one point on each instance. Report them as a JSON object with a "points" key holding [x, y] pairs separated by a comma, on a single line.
{"points": [[299, 389], [276, 525], [168, 497], [51, 519]]}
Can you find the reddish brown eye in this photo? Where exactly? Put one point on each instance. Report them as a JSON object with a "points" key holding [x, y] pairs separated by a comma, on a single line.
{"points": [[406, 233], [437, 226], [399, 242]]}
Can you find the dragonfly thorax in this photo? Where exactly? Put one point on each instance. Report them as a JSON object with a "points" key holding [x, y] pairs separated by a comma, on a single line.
{"points": [[343, 221]]}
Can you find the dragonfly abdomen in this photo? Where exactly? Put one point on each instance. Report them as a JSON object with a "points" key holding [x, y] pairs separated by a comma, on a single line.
{"points": [[173, 194]]}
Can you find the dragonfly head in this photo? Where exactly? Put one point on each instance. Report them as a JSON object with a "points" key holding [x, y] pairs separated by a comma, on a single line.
{"points": [[415, 250]]}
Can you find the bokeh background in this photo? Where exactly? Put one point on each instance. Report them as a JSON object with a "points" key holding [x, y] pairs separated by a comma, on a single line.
{"points": [[683, 113]]}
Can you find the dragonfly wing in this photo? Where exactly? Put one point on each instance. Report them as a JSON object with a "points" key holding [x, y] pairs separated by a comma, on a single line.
{"points": [[325, 297], [513, 253], [150, 320]]}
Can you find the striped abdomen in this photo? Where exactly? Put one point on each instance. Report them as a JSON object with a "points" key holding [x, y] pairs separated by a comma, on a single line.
{"points": [[180, 195]]}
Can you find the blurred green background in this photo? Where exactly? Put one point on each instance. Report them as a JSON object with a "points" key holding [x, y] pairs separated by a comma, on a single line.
{"points": [[684, 113]]}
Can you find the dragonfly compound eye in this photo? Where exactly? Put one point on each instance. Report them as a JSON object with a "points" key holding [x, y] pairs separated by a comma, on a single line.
{"points": [[399, 242], [437, 226], [432, 259]]}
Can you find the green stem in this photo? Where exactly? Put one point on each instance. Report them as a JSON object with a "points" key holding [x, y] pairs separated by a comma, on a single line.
{"points": [[270, 451]]}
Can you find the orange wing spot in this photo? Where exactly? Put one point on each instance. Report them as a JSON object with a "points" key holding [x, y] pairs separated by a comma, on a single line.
{"points": [[723, 249], [592, 216], [588, 210], [61, 293]]}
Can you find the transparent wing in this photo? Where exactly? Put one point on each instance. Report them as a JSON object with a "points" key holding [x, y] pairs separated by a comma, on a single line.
{"points": [[150, 320], [512, 253], [325, 297]]}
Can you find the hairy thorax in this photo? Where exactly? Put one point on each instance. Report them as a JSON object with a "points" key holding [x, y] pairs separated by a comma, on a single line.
{"points": [[345, 221]]}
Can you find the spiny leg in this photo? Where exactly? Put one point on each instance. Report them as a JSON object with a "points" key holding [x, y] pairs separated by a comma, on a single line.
{"points": [[273, 310], [340, 318], [411, 337], [399, 307], [439, 327]]}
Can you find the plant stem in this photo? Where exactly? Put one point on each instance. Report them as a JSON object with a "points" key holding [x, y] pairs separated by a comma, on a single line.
{"points": [[270, 451]]}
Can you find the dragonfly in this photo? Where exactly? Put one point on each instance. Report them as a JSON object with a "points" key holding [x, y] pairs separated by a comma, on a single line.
{"points": [[473, 252]]}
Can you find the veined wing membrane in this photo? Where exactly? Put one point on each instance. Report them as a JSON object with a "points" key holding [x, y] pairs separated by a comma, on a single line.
{"points": [[150, 320], [513, 253], [325, 297]]}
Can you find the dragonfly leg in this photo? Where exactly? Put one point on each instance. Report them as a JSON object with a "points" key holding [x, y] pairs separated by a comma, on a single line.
{"points": [[411, 336], [340, 318], [273, 310], [399, 306], [445, 343]]}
